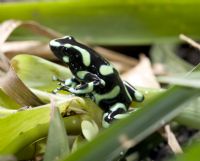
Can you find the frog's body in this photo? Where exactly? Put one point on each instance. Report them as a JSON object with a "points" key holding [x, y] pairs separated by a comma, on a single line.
{"points": [[94, 77]]}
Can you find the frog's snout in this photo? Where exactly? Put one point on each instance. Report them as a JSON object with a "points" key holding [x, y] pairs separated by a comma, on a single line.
{"points": [[54, 43]]}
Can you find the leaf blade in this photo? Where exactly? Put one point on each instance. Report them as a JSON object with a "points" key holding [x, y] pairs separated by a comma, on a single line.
{"points": [[57, 141], [136, 26]]}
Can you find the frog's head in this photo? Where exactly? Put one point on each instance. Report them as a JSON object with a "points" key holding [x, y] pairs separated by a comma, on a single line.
{"points": [[61, 47]]}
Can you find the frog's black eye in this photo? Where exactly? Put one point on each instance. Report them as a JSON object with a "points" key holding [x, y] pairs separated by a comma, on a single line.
{"points": [[68, 38]]}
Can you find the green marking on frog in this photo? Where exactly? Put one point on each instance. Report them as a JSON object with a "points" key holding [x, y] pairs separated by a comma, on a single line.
{"points": [[85, 55], [106, 70], [66, 59], [111, 94]]}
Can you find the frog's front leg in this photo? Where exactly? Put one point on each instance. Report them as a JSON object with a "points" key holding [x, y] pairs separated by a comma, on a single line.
{"points": [[89, 82], [71, 82], [65, 84], [84, 88], [117, 111]]}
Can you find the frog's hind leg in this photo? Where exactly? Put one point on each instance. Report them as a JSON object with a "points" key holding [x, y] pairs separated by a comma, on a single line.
{"points": [[115, 112], [135, 94]]}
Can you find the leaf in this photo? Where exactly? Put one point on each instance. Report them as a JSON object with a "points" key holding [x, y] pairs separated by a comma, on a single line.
{"points": [[17, 90], [37, 73], [132, 23], [190, 115], [36, 48], [193, 81], [191, 153], [57, 141], [7, 27], [79, 140], [141, 75], [7, 102], [89, 129]]}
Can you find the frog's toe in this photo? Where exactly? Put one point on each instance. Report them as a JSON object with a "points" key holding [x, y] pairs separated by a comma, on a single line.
{"points": [[139, 96], [55, 91], [54, 78], [117, 111]]}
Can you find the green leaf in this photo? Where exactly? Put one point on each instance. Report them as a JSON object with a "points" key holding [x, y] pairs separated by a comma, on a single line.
{"points": [[57, 141], [190, 115], [190, 154], [7, 102], [89, 129], [132, 21], [193, 81], [37, 73]]}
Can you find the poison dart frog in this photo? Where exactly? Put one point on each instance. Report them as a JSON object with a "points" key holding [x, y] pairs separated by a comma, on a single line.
{"points": [[94, 77]]}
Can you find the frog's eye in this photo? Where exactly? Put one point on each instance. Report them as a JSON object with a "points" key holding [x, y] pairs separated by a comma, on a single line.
{"points": [[68, 38]]}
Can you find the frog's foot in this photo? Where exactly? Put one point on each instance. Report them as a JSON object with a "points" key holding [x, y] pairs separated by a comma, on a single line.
{"points": [[54, 78], [134, 93], [24, 108], [62, 87], [117, 111]]}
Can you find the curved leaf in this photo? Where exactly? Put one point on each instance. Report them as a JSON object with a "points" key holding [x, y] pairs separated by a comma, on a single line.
{"points": [[37, 72]]}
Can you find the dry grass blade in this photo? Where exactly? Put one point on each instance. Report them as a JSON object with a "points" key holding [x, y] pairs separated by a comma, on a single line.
{"points": [[190, 41], [16, 89], [7, 27], [40, 29], [27, 47], [115, 56], [120, 66], [4, 63], [122, 62], [142, 75], [172, 141]]}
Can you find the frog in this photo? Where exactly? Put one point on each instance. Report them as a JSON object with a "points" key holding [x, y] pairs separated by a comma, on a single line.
{"points": [[95, 77]]}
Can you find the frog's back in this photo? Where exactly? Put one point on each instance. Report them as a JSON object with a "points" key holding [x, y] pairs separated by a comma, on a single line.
{"points": [[114, 89]]}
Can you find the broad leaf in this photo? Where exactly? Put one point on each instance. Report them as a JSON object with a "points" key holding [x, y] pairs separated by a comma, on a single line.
{"points": [[132, 21], [57, 141]]}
